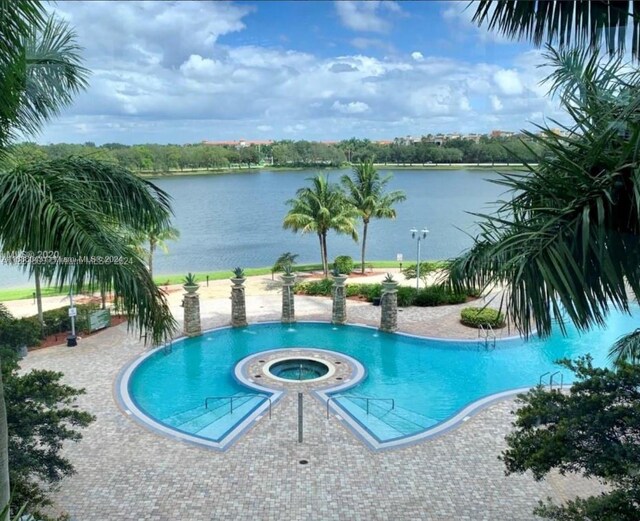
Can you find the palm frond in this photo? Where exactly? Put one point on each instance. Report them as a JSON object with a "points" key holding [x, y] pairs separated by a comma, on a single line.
{"points": [[583, 23], [566, 245], [626, 348], [77, 207]]}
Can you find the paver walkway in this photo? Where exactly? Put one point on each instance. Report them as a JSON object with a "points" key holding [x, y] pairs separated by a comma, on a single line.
{"points": [[127, 472]]}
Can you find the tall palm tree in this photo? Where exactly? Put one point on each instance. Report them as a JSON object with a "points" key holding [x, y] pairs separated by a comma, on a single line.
{"points": [[319, 209], [578, 22], [70, 206], [365, 191], [567, 245]]}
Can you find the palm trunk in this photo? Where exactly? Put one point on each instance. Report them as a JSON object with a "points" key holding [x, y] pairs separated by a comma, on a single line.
{"points": [[326, 256], [322, 252], [364, 241], [152, 247], [36, 275], [4, 454]]}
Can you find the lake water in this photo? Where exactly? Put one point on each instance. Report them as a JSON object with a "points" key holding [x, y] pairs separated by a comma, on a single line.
{"points": [[236, 219]]}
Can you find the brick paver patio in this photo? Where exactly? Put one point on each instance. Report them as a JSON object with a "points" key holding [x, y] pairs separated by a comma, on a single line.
{"points": [[127, 472]]}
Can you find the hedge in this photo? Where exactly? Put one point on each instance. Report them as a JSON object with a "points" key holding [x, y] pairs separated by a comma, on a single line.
{"points": [[344, 264], [438, 296], [476, 317]]}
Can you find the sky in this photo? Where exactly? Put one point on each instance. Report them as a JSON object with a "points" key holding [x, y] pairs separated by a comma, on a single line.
{"points": [[183, 72]]}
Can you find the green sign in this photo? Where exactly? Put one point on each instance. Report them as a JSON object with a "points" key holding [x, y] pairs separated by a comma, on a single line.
{"points": [[99, 319]]}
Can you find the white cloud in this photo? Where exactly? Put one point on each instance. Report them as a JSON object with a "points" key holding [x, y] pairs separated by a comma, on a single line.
{"points": [[508, 81], [366, 15], [353, 107], [145, 90], [496, 104]]}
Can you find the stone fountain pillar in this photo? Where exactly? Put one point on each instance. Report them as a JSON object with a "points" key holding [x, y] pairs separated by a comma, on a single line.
{"points": [[339, 310], [389, 304], [288, 307], [238, 303], [191, 306]]}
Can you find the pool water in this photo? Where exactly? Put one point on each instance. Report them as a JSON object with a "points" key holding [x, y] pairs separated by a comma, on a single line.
{"points": [[298, 369], [429, 380]]}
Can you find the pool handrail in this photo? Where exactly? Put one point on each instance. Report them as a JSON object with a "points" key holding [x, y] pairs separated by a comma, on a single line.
{"points": [[234, 396], [366, 398]]}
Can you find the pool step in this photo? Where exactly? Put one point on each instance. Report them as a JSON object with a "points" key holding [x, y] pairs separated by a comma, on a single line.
{"points": [[211, 415], [217, 428], [179, 418], [382, 429], [388, 423]]}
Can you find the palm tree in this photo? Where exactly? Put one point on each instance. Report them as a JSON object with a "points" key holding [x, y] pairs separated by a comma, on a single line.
{"points": [[579, 22], [366, 193], [319, 209], [71, 206], [157, 239], [567, 245]]}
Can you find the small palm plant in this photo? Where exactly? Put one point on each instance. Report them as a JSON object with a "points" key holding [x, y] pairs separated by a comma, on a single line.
{"points": [[287, 270], [389, 278], [238, 273], [190, 280]]}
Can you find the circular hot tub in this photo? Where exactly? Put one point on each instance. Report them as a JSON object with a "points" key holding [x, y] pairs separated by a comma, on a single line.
{"points": [[298, 369]]}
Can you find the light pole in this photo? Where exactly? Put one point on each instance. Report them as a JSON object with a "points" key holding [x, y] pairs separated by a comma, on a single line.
{"points": [[418, 235]]}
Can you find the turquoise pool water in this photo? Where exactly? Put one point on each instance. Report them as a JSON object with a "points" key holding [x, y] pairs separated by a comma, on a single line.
{"points": [[429, 380]]}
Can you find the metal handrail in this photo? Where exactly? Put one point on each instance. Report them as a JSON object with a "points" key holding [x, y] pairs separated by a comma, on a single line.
{"points": [[542, 376], [233, 397], [366, 398], [551, 380]]}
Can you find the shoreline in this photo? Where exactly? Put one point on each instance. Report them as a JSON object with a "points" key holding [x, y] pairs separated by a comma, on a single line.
{"points": [[498, 167]]}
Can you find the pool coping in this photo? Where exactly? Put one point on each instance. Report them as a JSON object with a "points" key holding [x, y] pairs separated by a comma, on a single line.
{"points": [[324, 395]]}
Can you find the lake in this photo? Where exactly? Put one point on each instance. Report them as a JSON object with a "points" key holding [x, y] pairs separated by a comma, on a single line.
{"points": [[236, 219]]}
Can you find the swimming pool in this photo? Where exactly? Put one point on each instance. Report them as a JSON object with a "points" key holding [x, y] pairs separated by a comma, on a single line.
{"points": [[431, 383]]}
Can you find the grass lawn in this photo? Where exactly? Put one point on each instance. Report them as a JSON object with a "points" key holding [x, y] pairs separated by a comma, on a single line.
{"points": [[162, 280]]}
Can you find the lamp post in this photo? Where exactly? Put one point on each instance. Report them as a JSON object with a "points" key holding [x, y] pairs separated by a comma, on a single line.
{"points": [[418, 235]]}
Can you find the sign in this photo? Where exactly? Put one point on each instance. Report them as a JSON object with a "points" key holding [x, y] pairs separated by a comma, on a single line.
{"points": [[399, 257], [99, 319], [73, 312]]}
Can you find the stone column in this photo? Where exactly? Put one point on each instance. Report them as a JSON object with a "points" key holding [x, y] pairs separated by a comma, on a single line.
{"points": [[238, 303], [389, 304], [288, 307], [191, 305], [339, 310]]}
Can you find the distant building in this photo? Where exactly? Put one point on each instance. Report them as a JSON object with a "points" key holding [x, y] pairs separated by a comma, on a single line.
{"points": [[240, 143], [502, 133]]}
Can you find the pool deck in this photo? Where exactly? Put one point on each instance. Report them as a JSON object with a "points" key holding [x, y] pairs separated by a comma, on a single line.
{"points": [[125, 471]]}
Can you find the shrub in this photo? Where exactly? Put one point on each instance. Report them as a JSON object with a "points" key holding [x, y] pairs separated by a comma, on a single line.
{"points": [[314, 288], [354, 290], [476, 317], [344, 264], [438, 296], [406, 296], [15, 333], [372, 291], [58, 320]]}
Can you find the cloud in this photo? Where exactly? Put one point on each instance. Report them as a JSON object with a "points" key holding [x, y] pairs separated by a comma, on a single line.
{"points": [[145, 90], [366, 16], [496, 104], [342, 67], [508, 81], [353, 107]]}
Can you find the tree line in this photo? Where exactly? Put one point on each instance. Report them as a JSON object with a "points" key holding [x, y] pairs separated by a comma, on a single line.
{"points": [[163, 158]]}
